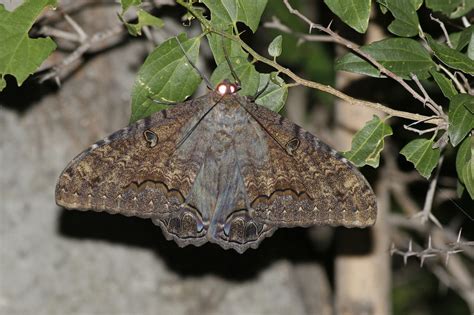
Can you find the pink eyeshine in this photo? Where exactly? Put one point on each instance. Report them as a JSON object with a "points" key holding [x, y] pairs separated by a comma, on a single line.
{"points": [[226, 88]]}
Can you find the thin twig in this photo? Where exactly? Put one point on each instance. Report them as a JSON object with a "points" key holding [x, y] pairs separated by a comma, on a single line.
{"points": [[421, 132], [80, 32], [51, 31], [467, 85], [453, 77], [443, 28], [426, 214], [87, 44], [277, 25], [438, 110], [465, 22]]}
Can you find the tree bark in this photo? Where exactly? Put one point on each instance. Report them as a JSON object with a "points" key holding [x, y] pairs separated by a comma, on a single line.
{"points": [[362, 265]]}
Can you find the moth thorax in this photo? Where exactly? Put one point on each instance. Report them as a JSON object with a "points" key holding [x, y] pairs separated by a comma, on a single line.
{"points": [[225, 87]]}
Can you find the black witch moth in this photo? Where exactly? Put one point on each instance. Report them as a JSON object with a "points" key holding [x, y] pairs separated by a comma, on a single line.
{"points": [[220, 169]]}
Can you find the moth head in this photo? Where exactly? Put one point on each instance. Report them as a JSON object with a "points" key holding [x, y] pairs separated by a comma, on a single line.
{"points": [[227, 88]]}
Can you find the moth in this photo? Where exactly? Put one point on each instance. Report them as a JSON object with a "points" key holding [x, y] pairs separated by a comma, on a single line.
{"points": [[220, 169]]}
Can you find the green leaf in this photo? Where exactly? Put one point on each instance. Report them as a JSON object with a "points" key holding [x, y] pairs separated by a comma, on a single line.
{"points": [[445, 6], [461, 120], [459, 189], [465, 8], [383, 9], [402, 56], [464, 156], [247, 11], [166, 75], [445, 84], [461, 39], [126, 4], [468, 171], [452, 8], [21, 55], [421, 153], [245, 71], [368, 143], [469, 106], [144, 19], [470, 47], [224, 16], [451, 57], [221, 46], [274, 49], [275, 93], [417, 3], [465, 164], [406, 21], [354, 13]]}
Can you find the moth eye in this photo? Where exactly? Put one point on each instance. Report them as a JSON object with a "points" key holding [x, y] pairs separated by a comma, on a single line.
{"points": [[232, 89], [222, 89], [292, 145], [151, 138]]}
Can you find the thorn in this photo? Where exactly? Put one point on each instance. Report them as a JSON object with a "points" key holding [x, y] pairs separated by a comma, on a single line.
{"points": [[392, 249], [435, 221], [329, 25], [458, 240], [57, 80]]}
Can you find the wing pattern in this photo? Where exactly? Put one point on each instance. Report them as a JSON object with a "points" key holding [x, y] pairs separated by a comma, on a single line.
{"points": [[332, 190], [221, 169]]}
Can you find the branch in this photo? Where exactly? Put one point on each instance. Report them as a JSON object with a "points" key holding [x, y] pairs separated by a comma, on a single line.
{"points": [[443, 28], [277, 25], [355, 48], [86, 44], [426, 214], [453, 77], [430, 251], [311, 84]]}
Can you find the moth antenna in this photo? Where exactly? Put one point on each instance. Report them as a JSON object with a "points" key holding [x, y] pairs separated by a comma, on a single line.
{"points": [[186, 136], [232, 71], [260, 92], [203, 76]]}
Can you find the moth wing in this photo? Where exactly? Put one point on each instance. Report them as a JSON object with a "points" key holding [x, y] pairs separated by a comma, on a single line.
{"points": [[303, 181], [137, 171]]}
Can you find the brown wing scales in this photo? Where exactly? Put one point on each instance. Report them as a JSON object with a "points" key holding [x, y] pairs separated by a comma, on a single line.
{"points": [[317, 185], [125, 174]]}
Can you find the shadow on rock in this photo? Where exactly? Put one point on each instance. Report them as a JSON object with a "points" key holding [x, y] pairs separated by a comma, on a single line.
{"points": [[289, 244], [22, 98]]}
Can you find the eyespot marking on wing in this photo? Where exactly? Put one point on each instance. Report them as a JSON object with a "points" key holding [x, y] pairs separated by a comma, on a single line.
{"points": [[151, 138]]}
